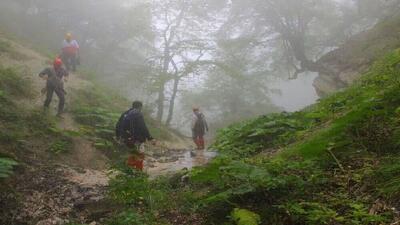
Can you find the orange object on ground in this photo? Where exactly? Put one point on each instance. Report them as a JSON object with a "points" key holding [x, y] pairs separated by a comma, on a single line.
{"points": [[136, 161]]}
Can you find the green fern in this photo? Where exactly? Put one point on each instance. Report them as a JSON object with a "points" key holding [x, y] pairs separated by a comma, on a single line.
{"points": [[6, 167]]}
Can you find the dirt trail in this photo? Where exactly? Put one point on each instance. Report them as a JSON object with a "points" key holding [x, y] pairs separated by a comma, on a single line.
{"points": [[54, 190], [73, 185], [164, 161], [83, 154], [175, 155]]}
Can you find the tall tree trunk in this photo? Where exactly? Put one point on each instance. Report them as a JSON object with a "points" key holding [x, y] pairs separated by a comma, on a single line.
{"points": [[299, 51], [163, 80], [169, 35], [172, 101], [160, 102]]}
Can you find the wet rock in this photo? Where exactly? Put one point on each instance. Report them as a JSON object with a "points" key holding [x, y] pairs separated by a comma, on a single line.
{"points": [[168, 159], [185, 179]]}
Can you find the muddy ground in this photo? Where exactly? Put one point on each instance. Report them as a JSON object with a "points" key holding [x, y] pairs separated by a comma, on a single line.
{"points": [[47, 190], [54, 193]]}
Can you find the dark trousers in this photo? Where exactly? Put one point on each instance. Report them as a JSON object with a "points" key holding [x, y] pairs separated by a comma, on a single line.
{"points": [[69, 61], [59, 90]]}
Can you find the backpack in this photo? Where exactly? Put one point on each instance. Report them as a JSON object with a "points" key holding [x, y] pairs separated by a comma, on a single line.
{"points": [[124, 125]]}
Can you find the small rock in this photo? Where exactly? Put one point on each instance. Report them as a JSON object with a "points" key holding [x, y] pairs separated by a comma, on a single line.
{"points": [[185, 179]]}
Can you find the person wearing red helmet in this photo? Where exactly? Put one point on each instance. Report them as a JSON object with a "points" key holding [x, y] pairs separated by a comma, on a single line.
{"points": [[199, 128], [55, 77], [57, 63]]}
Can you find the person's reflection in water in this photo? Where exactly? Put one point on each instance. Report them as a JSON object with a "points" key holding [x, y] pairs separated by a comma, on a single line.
{"points": [[199, 158]]}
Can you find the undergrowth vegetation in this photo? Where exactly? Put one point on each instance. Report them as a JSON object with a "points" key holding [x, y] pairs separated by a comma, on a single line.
{"points": [[9, 86], [25, 135], [98, 110], [20, 126], [7, 48], [336, 162], [6, 166]]}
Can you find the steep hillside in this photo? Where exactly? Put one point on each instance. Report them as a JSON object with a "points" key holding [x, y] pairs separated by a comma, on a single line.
{"points": [[337, 162], [355, 56], [55, 170]]}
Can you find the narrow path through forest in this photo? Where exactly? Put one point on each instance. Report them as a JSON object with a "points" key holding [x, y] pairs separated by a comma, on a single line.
{"points": [[72, 184]]}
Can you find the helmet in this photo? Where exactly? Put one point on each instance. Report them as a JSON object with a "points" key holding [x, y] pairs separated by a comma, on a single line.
{"points": [[68, 36], [57, 62], [196, 109]]}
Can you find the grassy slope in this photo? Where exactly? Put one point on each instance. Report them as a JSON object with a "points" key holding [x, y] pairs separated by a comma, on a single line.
{"points": [[27, 137], [31, 140], [336, 162], [19, 125], [90, 103]]}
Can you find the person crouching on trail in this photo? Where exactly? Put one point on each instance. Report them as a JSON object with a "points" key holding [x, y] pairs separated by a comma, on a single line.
{"points": [[199, 128], [132, 130], [55, 77], [70, 52]]}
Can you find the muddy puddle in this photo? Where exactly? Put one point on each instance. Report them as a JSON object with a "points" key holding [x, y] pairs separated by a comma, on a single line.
{"points": [[156, 162], [169, 161]]}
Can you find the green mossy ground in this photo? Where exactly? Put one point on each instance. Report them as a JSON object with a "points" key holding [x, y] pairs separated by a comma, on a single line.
{"points": [[336, 162]]}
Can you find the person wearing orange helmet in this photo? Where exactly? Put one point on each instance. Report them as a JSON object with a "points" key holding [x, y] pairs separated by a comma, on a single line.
{"points": [[55, 77], [70, 52], [199, 128]]}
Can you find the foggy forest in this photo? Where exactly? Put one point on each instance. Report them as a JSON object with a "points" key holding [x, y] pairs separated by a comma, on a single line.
{"points": [[192, 112]]}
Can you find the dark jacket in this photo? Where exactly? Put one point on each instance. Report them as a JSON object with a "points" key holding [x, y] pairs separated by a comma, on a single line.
{"points": [[55, 77], [131, 125], [199, 124]]}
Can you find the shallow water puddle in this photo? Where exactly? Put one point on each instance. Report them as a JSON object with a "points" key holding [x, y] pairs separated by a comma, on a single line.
{"points": [[171, 161]]}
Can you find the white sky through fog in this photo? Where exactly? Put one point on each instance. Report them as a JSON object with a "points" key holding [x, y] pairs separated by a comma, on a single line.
{"points": [[295, 94]]}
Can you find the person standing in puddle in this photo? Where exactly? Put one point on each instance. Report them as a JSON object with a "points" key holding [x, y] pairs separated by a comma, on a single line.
{"points": [[199, 128]]}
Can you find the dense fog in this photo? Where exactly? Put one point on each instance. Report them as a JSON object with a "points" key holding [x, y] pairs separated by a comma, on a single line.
{"points": [[235, 59]]}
